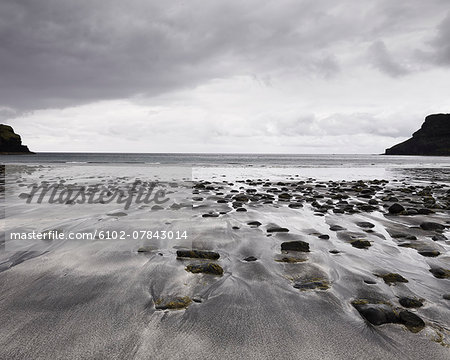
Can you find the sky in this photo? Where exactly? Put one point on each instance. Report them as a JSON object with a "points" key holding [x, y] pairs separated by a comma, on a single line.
{"points": [[254, 76]]}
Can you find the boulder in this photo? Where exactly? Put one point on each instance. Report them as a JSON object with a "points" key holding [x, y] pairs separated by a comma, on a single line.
{"points": [[295, 246], [396, 209], [408, 302], [432, 226], [208, 268]]}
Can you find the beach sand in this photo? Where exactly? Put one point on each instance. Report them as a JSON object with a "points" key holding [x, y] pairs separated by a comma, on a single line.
{"points": [[135, 298]]}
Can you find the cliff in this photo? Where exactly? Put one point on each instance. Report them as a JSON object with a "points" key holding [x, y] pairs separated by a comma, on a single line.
{"points": [[10, 142], [433, 138]]}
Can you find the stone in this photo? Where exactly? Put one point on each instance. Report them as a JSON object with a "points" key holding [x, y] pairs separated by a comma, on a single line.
{"points": [[295, 246], [250, 258], [277, 229], [410, 302], [208, 268], [429, 253], [413, 322], [365, 225], [361, 244], [440, 273], [391, 278], [176, 303], [337, 228], [396, 209], [319, 284], [432, 226], [198, 254], [376, 314]]}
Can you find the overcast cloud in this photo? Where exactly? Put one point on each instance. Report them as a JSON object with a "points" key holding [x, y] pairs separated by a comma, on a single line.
{"points": [[233, 76]]}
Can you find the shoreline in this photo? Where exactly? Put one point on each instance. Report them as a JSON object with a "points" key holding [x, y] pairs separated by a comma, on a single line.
{"points": [[276, 297]]}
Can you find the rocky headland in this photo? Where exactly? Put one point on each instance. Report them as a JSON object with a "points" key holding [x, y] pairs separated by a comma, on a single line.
{"points": [[10, 142], [433, 138]]}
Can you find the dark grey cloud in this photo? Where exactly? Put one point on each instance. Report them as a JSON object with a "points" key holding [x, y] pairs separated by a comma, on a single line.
{"points": [[56, 53], [441, 43], [382, 59]]}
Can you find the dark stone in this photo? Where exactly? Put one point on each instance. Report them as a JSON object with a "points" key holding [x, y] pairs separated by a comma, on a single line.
{"points": [[376, 314], [425, 211], [324, 237], [433, 138], [10, 142], [295, 246], [241, 209], [176, 303], [410, 302], [334, 251], [396, 209], [312, 285], [411, 321], [361, 244], [250, 258], [241, 198], [439, 237], [284, 196], [391, 278], [213, 215], [432, 226], [277, 229], [198, 254], [296, 205], [254, 223], [337, 228], [429, 253], [440, 273], [370, 282], [365, 225], [209, 268]]}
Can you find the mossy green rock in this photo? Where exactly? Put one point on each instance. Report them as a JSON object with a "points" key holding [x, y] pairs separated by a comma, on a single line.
{"points": [[198, 254], [177, 303], [208, 268], [392, 278]]}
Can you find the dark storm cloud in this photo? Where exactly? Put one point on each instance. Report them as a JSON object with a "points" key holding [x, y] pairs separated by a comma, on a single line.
{"points": [[56, 53]]}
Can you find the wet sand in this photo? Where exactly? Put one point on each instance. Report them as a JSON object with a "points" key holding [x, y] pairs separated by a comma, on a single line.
{"points": [[330, 294]]}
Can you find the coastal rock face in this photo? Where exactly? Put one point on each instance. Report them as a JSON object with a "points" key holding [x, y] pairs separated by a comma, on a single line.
{"points": [[433, 138], [10, 142]]}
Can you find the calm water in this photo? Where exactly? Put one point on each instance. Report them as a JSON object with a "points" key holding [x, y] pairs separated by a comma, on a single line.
{"points": [[233, 160]]}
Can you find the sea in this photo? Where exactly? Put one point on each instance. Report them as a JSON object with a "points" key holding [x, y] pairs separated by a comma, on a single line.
{"points": [[232, 160]]}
